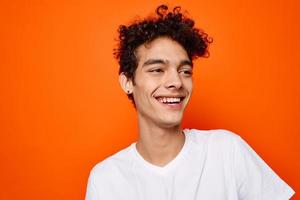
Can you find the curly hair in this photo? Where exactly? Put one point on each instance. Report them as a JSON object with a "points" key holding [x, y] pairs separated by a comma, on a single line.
{"points": [[173, 24]]}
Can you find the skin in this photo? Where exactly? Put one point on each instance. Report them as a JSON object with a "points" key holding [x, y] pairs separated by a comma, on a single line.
{"points": [[164, 70]]}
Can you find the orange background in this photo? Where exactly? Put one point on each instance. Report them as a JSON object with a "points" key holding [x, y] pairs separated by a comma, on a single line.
{"points": [[62, 110]]}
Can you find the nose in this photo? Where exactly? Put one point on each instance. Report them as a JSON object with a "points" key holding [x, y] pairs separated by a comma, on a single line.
{"points": [[173, 80]]}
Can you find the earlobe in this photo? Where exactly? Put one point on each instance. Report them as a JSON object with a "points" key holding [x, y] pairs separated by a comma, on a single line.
{"points": [[126, 83]]}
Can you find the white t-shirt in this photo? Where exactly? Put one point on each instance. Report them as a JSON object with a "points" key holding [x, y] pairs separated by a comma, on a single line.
{"points": [[212, 165]]}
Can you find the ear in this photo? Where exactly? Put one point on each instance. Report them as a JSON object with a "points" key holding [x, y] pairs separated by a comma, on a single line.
{"points": [[126, 83]]}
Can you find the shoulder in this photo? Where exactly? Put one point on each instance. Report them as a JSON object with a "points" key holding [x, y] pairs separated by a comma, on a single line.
{"points": [[217, 142], [103, 175], [214, 136], [111, 165]]}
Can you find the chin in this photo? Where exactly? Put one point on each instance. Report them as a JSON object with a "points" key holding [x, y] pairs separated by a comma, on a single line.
{"points": [[169, 123]]}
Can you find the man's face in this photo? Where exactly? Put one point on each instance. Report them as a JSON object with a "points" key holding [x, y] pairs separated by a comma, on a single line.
{"points": [[163, 82]]}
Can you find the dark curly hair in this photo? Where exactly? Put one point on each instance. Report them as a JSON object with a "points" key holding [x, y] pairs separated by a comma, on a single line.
{"points": [[173, 24]]}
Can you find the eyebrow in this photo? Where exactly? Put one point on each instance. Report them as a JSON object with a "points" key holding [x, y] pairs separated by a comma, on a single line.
{"points": [[186, 62], [160, 61], [154, 61]]}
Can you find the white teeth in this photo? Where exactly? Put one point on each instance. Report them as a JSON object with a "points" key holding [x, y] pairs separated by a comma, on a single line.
{"points": [[169, 99]]}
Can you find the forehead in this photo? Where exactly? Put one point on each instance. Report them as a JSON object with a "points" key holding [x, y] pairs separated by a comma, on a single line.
{"points": [[161, 48]]}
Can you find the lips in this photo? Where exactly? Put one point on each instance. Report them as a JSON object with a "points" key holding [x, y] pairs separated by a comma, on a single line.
{"points": [[171, 102]]}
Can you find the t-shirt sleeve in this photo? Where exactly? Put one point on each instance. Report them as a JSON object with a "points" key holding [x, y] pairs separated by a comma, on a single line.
{"points": [[254, 178], [91, 193]]}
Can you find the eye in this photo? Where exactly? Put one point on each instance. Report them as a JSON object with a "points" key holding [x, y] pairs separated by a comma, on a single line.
{"points": [[156, 70], [186, 72]]}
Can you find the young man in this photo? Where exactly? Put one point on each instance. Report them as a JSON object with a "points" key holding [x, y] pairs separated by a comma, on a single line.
{"points": [[168, 163]]}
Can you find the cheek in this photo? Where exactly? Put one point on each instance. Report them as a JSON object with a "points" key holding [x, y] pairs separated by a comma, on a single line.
{"points": [[143, 91], [147, 85], [189, 85]]}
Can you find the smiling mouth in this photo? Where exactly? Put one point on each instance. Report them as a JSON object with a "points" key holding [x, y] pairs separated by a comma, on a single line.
{"points": [[170, 100]]}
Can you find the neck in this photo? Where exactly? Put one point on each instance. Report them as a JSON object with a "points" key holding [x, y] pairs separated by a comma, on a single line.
{"points": [[159, 145]]}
